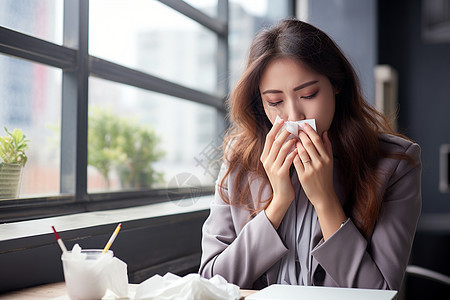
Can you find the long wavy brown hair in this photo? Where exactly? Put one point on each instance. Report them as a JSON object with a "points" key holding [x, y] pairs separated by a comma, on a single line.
{"points": [[354, 131]]}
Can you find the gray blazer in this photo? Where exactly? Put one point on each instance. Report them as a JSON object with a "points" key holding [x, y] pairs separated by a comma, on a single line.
{"points": [[246, 251]]}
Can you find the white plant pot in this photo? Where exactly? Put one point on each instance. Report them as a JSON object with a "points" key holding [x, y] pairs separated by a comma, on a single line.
{"points": [[10, 180]]}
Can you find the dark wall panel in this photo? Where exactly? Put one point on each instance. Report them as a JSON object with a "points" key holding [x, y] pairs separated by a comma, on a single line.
{"points": [[424, 89]]}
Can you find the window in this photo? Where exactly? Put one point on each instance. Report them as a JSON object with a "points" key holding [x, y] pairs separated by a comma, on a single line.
{"points": [[436, 21], [31, 101], [245, 19], [122, 101], [208, 7], [160, 41], [42, 19], [176, 133]]}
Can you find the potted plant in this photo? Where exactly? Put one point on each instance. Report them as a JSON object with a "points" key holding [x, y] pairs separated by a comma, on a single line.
{"points": [[12, 160]]}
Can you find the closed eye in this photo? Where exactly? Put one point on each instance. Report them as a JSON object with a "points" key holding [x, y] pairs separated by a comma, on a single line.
{"points": [[310, 96], [274, 103]]}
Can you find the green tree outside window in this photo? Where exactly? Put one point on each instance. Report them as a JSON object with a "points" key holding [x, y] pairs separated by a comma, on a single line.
{"points": [[122, 144]]}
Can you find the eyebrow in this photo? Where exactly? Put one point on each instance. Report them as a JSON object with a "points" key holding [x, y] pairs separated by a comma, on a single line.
{"points": [[301, 86]]}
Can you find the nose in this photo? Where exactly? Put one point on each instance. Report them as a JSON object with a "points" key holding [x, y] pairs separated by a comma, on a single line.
{"points": [[296, 112]]}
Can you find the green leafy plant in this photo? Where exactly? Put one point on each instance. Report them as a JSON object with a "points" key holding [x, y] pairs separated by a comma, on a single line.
{"points": [[119, 143], [139, 146], [13, 147]]}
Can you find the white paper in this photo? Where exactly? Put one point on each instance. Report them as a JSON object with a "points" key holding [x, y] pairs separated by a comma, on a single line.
{"points": [[294, 126], [191, 286], [294, 292]]}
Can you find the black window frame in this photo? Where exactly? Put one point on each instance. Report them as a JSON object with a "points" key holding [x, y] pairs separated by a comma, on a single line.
{"points": [[78, 65]]}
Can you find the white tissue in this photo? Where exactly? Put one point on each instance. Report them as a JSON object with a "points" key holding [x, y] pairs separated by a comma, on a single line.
{"points": [[109, 272], [76, 253], [191, 286], [117, 277], [294, 126]]}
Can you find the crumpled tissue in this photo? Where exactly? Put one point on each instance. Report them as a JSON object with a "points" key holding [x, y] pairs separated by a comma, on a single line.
{"points": [[117, 277], [191, 286], [109, 272], [293, 127]]}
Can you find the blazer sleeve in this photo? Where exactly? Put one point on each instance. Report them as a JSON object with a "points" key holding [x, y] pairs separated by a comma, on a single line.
{"points": [[352, 262], [240, 257]]}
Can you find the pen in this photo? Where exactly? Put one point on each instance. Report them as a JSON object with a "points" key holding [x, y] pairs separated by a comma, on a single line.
{"points": [[112, 238], [59, 240]]}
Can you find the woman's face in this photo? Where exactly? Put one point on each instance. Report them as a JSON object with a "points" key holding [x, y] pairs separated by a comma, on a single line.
{"points": [[295, 92]]}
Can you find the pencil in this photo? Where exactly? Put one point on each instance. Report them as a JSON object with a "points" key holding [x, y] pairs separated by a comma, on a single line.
{"points": [[112, 238], [59, 240]]}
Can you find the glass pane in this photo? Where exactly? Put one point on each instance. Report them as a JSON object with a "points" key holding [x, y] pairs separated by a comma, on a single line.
{"points": [[42, 19], [208, 7], [158, 41], [30, 100], [246, 18], [139, 139]]}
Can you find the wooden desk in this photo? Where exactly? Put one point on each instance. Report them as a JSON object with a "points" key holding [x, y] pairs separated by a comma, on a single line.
{"points": [[58, 290], [47, 291]]}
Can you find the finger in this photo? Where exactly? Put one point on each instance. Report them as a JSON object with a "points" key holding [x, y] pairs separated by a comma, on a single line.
{"points": [[284, 152], [298, 165], [289, 160], [315, 139], [270, 137], [303, 154], [309, 148], [277, 144]]}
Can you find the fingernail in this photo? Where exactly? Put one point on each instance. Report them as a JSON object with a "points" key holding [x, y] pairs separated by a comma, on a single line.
{"points": [[280, 121]]}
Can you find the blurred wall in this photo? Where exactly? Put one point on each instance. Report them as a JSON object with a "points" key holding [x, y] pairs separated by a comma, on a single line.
{"points": [[352, 24], [424, 89], [424, 98]]}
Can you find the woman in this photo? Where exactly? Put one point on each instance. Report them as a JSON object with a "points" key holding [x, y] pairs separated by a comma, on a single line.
{"points": [[340, 209]]}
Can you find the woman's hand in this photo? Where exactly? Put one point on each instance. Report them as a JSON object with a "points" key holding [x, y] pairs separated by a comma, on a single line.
{"points": [[277, 160], [314, 166]]}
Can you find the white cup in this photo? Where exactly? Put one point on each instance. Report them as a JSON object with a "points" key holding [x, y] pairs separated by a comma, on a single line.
{"points": [[85, 273]]}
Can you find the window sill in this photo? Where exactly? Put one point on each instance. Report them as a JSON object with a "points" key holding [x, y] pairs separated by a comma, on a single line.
{"points": [[16, 230], [155, 239]]}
